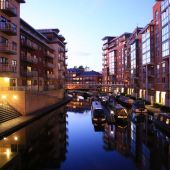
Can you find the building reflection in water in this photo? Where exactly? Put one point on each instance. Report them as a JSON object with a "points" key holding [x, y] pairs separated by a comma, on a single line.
{"points": [[78, 105], [116, 138], [41, 145], [137, 139], [149, 146]]}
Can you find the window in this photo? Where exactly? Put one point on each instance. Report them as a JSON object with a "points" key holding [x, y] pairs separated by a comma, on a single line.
{"points": [[164, 17], [14, 62], [146, 53], [14, 46], [29, 82], [165, 33], [3, 60], [35, 82], [3, 41], [163, 68], [111, 62], [158, 71], [164, 4], [29, 69], [133, 58], [165, 49]]}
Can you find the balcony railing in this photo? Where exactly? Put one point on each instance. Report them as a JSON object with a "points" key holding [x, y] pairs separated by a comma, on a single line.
{"points": [[150, 86], [61, 50], [151, 73], [7, 68], [60, 59], [30, 74], [49, 54], [51, 76], [8, 8], [21, 1], [51, 65], [29, 59], [8, 28], [8, 48], [29, 45]]}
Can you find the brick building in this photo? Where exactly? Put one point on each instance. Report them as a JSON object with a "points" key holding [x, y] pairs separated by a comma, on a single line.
{"points": [[29, 58], [82, 79], [114, 62], [139, 64]]}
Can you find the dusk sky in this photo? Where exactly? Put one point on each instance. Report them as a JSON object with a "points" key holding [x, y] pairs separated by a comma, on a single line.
{"points": [[85, 22]]}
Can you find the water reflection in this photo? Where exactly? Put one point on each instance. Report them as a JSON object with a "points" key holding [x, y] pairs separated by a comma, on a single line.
{"points": [[41, 145], [78, 105], [136, 144]]}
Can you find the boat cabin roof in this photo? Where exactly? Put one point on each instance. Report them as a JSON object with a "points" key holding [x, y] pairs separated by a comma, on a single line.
{"points": [[96, 105]]}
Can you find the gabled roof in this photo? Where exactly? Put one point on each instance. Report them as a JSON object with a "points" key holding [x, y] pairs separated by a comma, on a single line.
{"points": [[90, 73]]}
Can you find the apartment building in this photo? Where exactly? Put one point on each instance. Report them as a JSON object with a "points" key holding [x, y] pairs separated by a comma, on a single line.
{"points": [[9, 42], [30, 58], [114, 62], [140, 63], [105, 70], [133, 76], [161, 20]]}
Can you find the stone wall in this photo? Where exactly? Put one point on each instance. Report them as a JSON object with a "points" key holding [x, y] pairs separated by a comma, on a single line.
{"points": [[26, 102]]}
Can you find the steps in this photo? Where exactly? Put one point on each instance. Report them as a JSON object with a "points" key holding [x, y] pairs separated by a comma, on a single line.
{"points": [[7, 112]]}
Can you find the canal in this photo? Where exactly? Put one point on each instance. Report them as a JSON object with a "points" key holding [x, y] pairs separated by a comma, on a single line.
{"points": [[66, 139]]}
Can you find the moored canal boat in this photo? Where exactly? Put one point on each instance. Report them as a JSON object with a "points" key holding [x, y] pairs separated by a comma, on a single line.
{"points": [[163, 122], [97, 111], [139, 107], [120, 113]]}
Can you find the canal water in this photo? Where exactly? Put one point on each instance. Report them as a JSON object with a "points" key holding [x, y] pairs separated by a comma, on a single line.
{"points": [[66, 139]]}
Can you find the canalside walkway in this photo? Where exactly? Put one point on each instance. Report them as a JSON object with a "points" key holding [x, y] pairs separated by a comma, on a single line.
{"points": [[13, 125], [152, 109]]}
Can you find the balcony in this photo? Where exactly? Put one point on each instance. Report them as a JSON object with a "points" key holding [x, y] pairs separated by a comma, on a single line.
{"points": [[104, 64], [151, 74], [51, 65], [7, 68], [21, 1], [150, 86], [29, 59], [51, 76], [66, 57], [29, 45], [8, 28], [60, 59], [61, 50], [49, 54], [31, 74], [8, 48], [8, 8]]}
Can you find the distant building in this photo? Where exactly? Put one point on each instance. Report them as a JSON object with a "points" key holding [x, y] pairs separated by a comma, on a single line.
{"points": [[81, 79]]}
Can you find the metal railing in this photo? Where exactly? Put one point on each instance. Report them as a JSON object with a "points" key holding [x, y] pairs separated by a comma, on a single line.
{"points": [[8, 8], [8, 68], [8, 28]]}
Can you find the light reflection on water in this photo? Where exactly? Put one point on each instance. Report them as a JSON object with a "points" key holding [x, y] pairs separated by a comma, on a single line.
{"points": [[67, 140]]}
